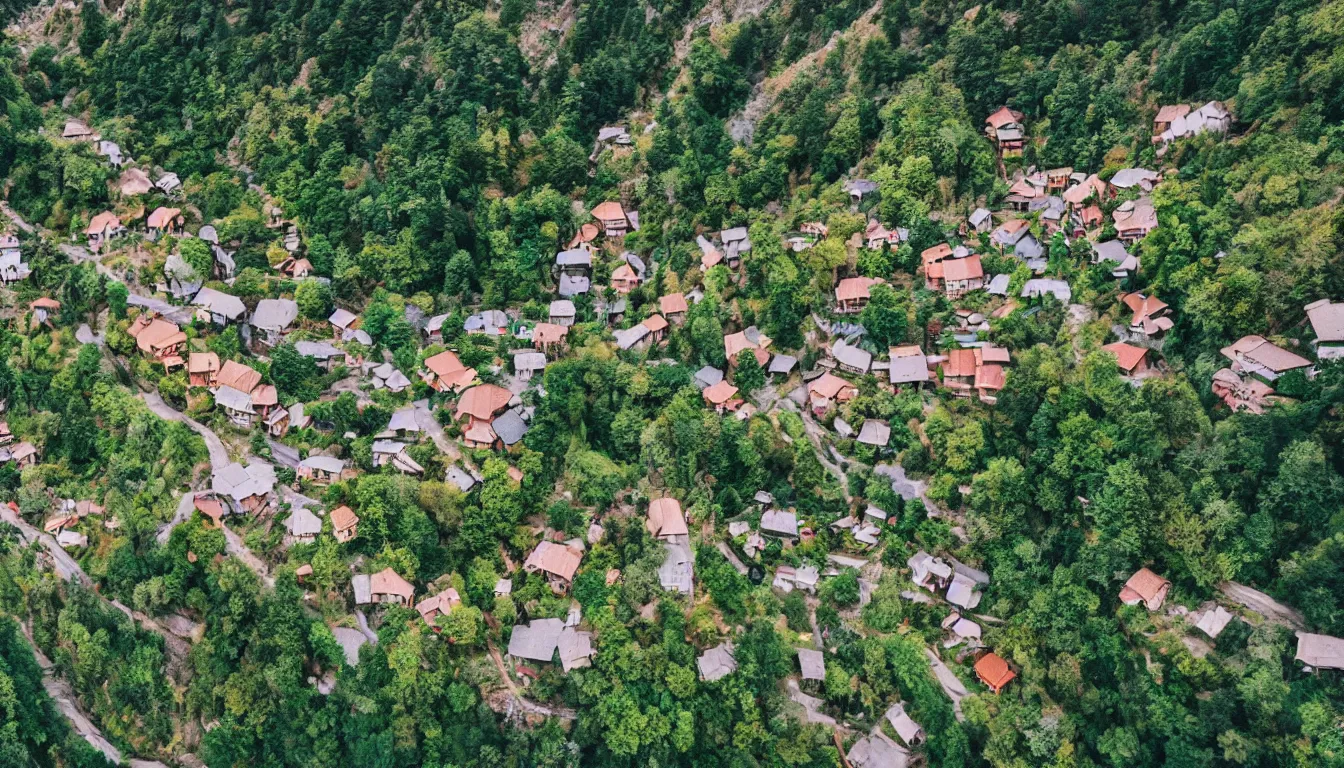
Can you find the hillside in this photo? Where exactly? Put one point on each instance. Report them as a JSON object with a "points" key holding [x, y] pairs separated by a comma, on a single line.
{"points": [[641, 382]]}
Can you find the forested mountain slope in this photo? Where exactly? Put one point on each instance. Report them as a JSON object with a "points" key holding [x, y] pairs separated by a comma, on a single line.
{"points": [[437, 154]]}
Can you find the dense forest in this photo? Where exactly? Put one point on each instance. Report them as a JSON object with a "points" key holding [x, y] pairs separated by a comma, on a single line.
{"points": [[429, 159]]}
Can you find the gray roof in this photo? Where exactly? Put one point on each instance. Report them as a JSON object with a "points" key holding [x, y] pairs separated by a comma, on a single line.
{"points": [[302, 522], [342, 317], [234, 400], [220, 303], [782, 363], [363, 589], [328, 464], [403, 421], [812, 663], [677, 572], [876, 750], [274, 314], [487, 320], [979, 216], [537, 641], [1111, 250], [717, 662], [351, 639], [575, 647], [733, 235], [239, 483], [875, 432], [962, 592], [853, 357], [562, 308], [510, 427], [908, 369], [860, 186], [208, 234], [575, 257], [631, 336], [708, 376], [574, 285], [1041, 286], [388, 446], [779, 521], [435, 323], [529, 361], [461, 478], [321, 350], [1130, 177], [1029, 248], [1320, 651], [998, 285]]}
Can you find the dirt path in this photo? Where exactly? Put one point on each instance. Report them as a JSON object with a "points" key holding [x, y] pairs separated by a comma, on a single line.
{"points": [[64, 697], [952, 685], [219, 455], [65, 566], [524, 705]]}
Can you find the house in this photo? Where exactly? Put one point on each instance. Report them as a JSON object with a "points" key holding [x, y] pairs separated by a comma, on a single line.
{"points": [[1057, 179], [1114, 252], [1091, 188], [218, 307], [481, 403], [1134, 219], [959, 370], [736, 242], [6, 436], [442, 604], [1087, 218], [928, 571], [1150, 314], [24, 455], [851, 359], [104, 227], [386, 376], [237, 405], [342, 320], [12, 265], [158, 338], [677, 573], [828, 389], [9, 245], [1256, 356], [134, 181], [536, 641], [1320, 651], [295, 268], [852, 294], [1006, 235], [875, 433], [344, 523], [510, 427], [716, 663], [1166, 116], [43, 308], [392, 453], [562, 312], [628, 338], [1327, 322], [779, 523], [877, 750], [387, 586], [323, 469], [166, 221], [557, 562], [586, 234], [963, 630], [1145, 587], [710, 256], [722, 397], [980, 220], [907, 365], [624, 279], [1241, 393], [906, 728], [962, 275], [488, 322], [168, 183], [433, 329], [859, 189], [614, 219], [674, 307], [272, 319], [277, 423], [1131, 359], [1141, 179], [781, 364], [528, 364], [238, 376], [202, 368], [549, 336], [112, 151], [751, 340], [707, 377], [444, 372], [77, 130], [994, 672], [787, 578], [303, 525], [657, 325], [248, 489], [876, 235], [1038, 287], [324, 353], [576, 262], [1023, 194], [1004, 128], [812, 664], [665, 520]]}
